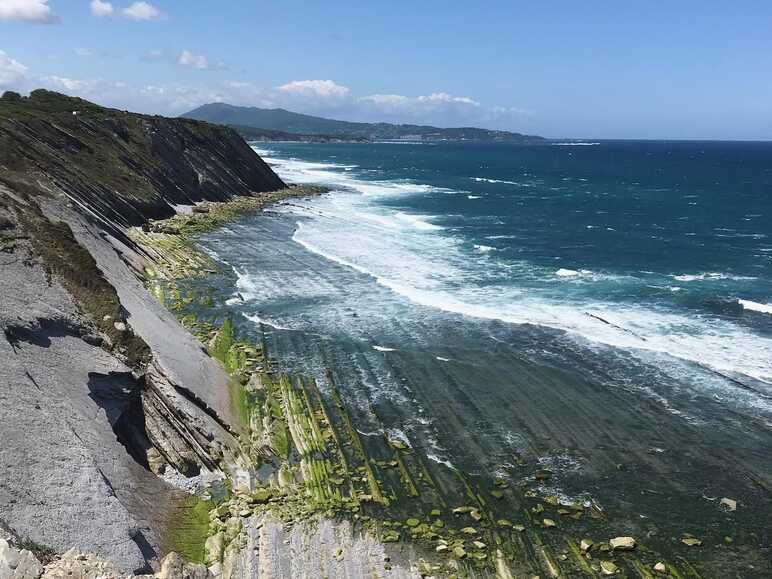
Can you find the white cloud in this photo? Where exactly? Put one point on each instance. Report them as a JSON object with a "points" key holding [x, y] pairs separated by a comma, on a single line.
{"points": [[101, 9], [319, 88], [443, 97], [26, 10], [420, 107], [12, 72], [142, 11], [199, 61], [70, 85], [316, 97], [386, 99], [83, 52]]}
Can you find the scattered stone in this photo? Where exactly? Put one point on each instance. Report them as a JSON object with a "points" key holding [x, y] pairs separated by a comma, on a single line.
{"points": [[390, 536], [214, 548], [412, 522], [469, 531], [475, 515], [543, 475], [660, 567], [519, 528], [728, 540], [691, 541], [120, 326], [173, 566], [462, 510], [75, 564], [728, 504], [551, 500], [504, 523], [479, 544], [459, 552], [497, 494], [586, 545], [441, 548], [622, 543], [549, 523], [18, 564], [435, 512], [608, 568]]}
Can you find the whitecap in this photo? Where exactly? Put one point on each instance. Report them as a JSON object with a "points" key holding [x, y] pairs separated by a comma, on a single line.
{"points": [[563, 272], [265, 321], [755, 306], [384, 349]]}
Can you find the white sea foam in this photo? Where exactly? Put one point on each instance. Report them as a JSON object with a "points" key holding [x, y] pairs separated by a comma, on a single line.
{"points": [[261, 320], [439, 460], [384, 349], [441, 359], [756, 307], [563, 272], [398, 435], [474, 196], [484, 248], [430, 267], [572, 144], [713, 276], [486, 180], [417, 221]]}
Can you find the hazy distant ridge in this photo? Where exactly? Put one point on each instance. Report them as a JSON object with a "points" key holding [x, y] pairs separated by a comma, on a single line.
{"points": [[300, 124]]}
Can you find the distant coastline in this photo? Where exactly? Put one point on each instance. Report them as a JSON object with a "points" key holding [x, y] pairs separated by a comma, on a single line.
{"points": [[282, 125]]}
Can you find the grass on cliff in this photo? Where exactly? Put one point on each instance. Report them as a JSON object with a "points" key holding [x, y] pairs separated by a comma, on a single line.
{"points": [[64, 257], [188, 529]]}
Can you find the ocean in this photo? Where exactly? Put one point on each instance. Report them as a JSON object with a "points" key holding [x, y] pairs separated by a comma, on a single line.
{"points": [[602, 310]]}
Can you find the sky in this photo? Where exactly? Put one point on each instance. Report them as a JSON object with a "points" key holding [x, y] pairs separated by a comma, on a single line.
{"points": [[594, 69]]}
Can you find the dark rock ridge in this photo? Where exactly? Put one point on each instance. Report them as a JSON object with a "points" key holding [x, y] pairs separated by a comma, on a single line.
{"points": [[101, 389], [124, 166], [304, 125]]}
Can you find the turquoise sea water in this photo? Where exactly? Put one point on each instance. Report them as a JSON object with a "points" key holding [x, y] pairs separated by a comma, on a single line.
{"points": [[647, 245]]}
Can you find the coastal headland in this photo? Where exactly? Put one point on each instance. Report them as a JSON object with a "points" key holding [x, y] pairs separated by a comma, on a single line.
{"points": [[144, 433]]}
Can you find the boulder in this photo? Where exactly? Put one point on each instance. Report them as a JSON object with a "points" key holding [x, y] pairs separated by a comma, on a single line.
{"points": [[173, 566], [660, 567], [18, 564], [76, 564], [608, 568], [728, 504], [622, 543], [691, 541]]}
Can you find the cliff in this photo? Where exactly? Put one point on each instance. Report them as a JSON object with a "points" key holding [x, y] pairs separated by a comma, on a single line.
{"points": [[106, 400]]}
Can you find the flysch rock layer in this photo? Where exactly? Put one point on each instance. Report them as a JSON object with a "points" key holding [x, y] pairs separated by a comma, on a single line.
{"points": [[87, 424], [67, 481]]}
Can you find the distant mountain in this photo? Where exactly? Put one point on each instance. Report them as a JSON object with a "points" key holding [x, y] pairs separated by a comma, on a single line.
{"points": [[299, 124]]}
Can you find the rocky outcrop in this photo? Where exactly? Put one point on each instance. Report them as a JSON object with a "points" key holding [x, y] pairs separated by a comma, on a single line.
{"points": [[102, 388], [123, 167], [20, 563]]}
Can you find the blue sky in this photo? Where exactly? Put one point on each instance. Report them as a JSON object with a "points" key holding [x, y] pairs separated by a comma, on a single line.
{"points": [[648, 69]]}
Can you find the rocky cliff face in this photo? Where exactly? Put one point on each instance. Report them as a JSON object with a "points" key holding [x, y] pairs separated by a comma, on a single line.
{"points": [[101, 389]]}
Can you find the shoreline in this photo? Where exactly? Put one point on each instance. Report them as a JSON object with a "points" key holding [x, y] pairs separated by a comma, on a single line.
{"points": [[496, 531]]}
